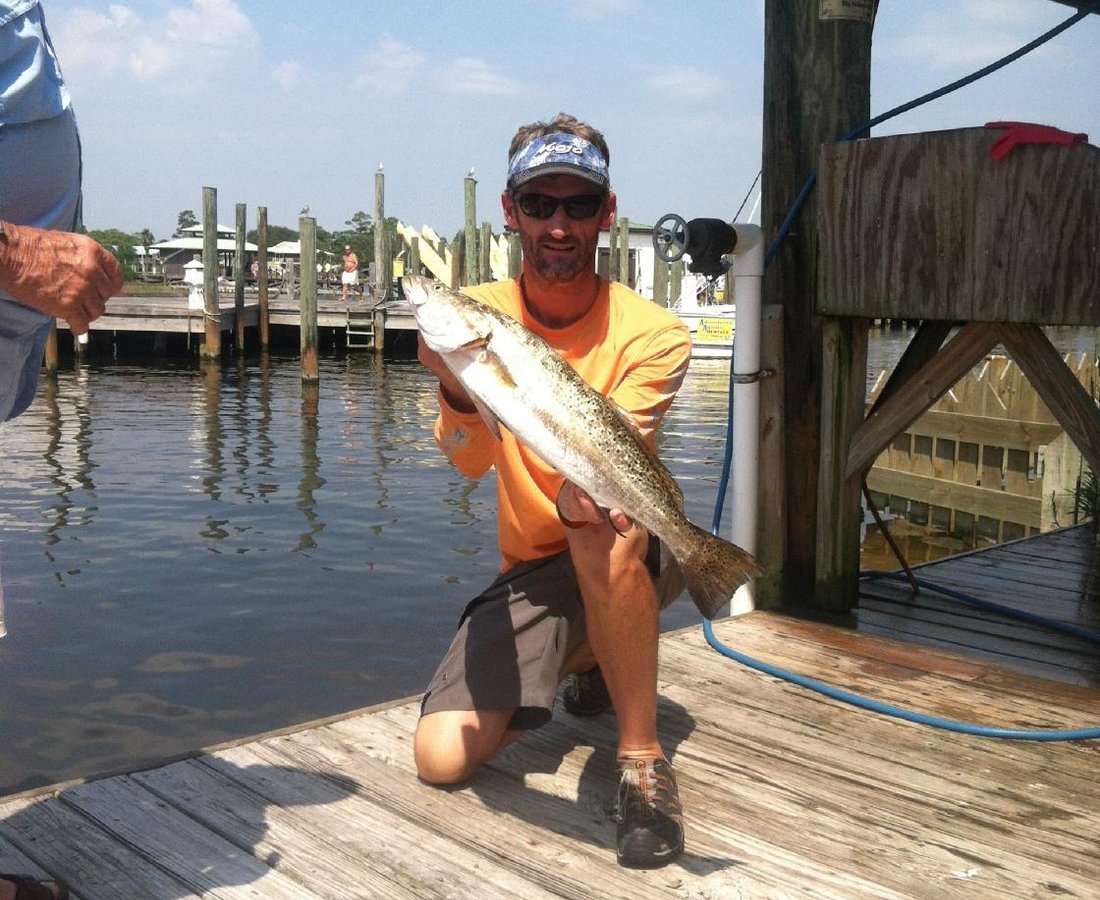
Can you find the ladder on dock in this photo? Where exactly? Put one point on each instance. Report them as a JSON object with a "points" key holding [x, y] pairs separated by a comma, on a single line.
{"points": [[360, 329]]}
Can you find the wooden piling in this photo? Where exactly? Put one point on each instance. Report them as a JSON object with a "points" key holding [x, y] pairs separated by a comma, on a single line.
{"points": [[624, 251], [817, 73], [472, 275], [414, 256], [613, 251], [660, 281], [515, 255], [675, 283], [261, 276], [387, 262], [379, 231], [238, 280], [307, 233], [485, 252], [458, 254], [51, 349], [212, 343]]}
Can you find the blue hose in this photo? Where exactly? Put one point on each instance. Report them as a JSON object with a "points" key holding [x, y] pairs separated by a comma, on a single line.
{"points": [[876, 706], [887, 709]]}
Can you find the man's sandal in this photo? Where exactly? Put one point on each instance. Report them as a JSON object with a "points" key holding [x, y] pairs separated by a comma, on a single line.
{"points": [[27, 887]]}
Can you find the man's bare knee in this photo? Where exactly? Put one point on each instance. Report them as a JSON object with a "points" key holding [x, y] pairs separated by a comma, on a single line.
{"points": [[449, 746]]}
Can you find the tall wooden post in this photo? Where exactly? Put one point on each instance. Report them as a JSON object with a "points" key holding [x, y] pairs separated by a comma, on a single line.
{"points": [[816, 88], [675, 283], [485, 252], [624, 251], [515, 255], [307, 234], [261, 275], [458, 257], [50, 358], [414, 256], [469, 185], [613, 251], [380, 285], [212, 344], [238, 280], [660, 281]]}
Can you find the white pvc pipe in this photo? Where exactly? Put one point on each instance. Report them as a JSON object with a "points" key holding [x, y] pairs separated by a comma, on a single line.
{"points": [[748, 273]]}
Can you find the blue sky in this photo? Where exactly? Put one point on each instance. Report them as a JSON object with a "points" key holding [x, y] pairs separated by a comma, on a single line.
{"points": [[287, 104]]}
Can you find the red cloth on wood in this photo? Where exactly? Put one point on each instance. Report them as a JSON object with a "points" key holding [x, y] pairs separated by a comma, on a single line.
{"points": [[1029, 133]]}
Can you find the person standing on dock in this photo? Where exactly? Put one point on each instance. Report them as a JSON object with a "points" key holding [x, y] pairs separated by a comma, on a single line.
{"points": [[581, 588], [46, 270], [350, 276]]}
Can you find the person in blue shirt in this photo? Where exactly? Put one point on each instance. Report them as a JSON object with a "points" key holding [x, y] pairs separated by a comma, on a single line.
{"points": [[47, 271]]}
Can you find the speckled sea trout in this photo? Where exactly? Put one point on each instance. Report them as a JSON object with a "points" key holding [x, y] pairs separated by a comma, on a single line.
{"points": [[517, 380]]}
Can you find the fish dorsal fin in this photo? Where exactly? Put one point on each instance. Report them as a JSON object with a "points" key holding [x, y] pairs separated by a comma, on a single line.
{"points": [[666, 476]]}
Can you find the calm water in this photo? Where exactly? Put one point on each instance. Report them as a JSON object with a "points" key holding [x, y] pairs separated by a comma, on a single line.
{"points": [[195, 556], [190, 557]]}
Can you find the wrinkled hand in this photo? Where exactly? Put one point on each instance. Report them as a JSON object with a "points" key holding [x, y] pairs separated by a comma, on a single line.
{"points": [[576, 509], [453, 391], [65, 275]]}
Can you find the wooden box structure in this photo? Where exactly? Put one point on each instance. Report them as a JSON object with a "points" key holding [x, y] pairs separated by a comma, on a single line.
{"points": [[930, 226]]}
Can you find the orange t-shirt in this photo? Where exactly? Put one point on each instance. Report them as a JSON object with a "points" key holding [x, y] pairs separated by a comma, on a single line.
{"points": [[626, 347]]}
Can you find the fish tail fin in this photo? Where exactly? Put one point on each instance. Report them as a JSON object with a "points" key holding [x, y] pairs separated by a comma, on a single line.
{"points": [[714, 569]]}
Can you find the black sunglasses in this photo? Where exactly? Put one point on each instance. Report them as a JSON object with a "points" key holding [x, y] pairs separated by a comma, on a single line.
{"points": [[541, 206]]}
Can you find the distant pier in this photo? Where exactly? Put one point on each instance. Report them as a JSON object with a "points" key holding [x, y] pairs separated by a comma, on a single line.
{"points": [[365, 321]]}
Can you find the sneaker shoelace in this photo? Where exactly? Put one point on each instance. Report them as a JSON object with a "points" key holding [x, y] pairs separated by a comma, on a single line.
{"points": [[652, 788]]}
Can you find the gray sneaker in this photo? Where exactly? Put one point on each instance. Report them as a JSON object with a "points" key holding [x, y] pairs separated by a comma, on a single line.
{"points": [[586, 694], [650, 829]]}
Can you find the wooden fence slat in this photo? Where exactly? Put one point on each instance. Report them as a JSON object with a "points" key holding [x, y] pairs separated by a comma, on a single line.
{"points": [[991, 431]]}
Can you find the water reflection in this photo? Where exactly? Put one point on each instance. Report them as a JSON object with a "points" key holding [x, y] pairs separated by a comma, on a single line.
{"points": [[69, 462], [311, 480]]}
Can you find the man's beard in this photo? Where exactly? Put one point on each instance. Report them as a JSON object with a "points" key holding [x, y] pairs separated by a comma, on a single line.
{"points": [[555, 266]]}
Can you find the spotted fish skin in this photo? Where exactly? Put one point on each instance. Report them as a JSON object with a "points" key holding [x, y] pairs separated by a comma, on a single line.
{"points": [[517, 380]]}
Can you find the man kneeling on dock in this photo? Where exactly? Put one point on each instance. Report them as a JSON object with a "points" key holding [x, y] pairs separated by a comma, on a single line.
{"points": [[580, 590]]}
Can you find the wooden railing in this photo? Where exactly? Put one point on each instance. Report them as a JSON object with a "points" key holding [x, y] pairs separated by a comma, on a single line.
{"points": [[988, 449]]}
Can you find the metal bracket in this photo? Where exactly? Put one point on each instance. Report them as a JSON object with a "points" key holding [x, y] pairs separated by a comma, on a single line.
{"points": [[753, 377]]}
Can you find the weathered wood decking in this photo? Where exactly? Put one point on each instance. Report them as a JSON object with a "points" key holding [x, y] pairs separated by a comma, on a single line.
{"points": [[787, 794], [1055, 575]]}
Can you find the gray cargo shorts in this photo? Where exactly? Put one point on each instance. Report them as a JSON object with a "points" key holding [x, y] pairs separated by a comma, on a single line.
{"points": [[514, 638]]}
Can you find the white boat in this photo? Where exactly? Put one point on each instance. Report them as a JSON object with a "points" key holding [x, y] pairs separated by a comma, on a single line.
{"points": [[711, 331], [711, 324]]}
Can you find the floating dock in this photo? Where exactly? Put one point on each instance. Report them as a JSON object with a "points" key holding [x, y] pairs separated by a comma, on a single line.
{"points": [[786, 793]]}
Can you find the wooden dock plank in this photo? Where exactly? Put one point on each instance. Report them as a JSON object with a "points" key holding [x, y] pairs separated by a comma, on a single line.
{"points": [[566, 788], [354, 830], [96, 864], [787, 794], [160, 832], [552, 842], [14, 861], [1054, 575]]}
